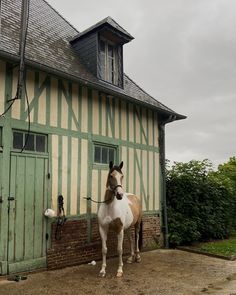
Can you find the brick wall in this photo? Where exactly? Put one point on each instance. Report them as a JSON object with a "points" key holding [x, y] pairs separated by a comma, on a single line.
{"points": [[73, 248]]}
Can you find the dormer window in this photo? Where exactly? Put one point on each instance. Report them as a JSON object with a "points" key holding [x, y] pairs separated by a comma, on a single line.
{"points": [[100, 48], [108, 62]]}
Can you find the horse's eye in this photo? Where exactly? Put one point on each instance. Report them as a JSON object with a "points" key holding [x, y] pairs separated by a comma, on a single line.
{"points": [[111, 176]]}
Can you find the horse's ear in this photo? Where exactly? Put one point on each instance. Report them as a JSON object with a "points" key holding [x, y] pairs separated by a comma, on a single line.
{"points": [[111, 165], [121, 165]]}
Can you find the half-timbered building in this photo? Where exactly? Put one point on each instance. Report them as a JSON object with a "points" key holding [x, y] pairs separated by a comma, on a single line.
{"points": [[84, 111]]}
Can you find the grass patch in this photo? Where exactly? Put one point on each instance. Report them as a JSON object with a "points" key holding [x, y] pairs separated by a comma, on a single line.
{"points": [[225, 247]]}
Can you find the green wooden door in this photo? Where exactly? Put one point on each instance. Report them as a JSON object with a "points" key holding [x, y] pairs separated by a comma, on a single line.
{"points": [[27, 224]]}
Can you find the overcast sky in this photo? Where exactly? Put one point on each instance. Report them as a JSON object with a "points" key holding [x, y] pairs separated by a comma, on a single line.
{"points": [[184, 55]]}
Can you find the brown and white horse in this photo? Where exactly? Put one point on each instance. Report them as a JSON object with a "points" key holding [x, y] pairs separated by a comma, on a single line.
{"points": [[119, 212]]}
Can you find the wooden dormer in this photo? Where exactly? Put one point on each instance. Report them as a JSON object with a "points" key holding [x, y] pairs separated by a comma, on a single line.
{"points": [[100, 48]]}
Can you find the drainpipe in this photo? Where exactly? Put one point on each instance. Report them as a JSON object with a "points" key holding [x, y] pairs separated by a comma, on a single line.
{"points": [[23, 34], [163, 171]]}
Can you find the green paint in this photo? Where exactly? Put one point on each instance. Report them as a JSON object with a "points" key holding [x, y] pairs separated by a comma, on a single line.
{"points": [[127, 171], [154, 180], [90, 163], [38, 90], [119, 110], [134, 176], [148, 189], [48, 98], [142, 131], [79, 147], [79, 176], [143, 193], [71, 113], [59, 97], [80, 107], [148, 139], [112, 116], [28, 265], [67, 93], [36, 96], [69, 162], [49, 188], [134, 122], [60, 153], [27, 225], [5, 172], [127, 120], [17, 124], [100, 112]]}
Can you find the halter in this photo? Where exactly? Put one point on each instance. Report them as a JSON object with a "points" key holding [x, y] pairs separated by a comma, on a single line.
{"points": [[118, 185]]}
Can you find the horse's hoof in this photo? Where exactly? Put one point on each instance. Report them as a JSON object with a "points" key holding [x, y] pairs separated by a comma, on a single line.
{"points": [[102, 274], [119, 274], [130, 260], [138, 259]]}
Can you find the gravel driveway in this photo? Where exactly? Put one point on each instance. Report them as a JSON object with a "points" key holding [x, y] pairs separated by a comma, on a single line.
{"points": [[162, 272]]}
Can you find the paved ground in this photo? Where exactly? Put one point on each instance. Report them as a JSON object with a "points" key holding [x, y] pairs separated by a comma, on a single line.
{"points": [[161, 272]]}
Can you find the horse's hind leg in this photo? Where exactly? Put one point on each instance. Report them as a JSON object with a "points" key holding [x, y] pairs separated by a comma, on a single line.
{"points": [[137, 253], [131, 259], [103, 234]]}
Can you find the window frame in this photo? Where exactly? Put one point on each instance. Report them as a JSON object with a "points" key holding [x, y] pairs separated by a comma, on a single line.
{"points": [[108, 146], [35, 134], [107, 72]]}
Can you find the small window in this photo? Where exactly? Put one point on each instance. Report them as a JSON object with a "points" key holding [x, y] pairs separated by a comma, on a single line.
{"points": [[104, 154], [32, 142]]}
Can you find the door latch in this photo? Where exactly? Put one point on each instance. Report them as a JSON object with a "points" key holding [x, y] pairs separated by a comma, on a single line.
{"points": [[11, 199]]}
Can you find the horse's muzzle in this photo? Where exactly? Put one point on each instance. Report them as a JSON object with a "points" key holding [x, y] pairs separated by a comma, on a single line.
{"points": [[119, 196]]}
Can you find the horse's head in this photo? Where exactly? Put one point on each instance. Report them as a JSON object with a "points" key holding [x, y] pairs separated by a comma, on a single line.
{"points": [[114, 180]]}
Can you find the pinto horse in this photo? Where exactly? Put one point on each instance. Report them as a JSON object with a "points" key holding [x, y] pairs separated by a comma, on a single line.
{"points": [[119, 212]]}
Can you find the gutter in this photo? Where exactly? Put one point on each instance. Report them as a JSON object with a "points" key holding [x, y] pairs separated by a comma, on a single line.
{"points": [[98, 86]]}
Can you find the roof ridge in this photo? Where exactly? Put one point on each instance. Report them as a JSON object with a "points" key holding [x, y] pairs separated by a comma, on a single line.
{"points": [[109, 17], [148, 94], [58, 13]]}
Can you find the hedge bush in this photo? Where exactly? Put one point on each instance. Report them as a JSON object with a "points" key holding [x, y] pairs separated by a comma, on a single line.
{"points": [[200, 205]]}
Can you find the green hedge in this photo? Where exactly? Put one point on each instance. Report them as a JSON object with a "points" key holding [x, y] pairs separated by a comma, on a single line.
{"points": [[200, 205]]}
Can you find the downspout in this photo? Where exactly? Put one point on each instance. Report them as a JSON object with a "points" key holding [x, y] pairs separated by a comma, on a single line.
{"points": [[163, 171], [24, 26]]}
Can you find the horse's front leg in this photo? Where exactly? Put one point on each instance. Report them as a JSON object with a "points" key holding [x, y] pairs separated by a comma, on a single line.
{"points": [[120, 252], [103, 233]]}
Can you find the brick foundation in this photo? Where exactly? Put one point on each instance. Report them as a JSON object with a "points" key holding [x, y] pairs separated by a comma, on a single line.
{"points": [[73, 248]]}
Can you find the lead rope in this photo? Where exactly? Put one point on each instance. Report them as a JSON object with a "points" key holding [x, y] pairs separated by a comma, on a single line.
{"points": [[102, 202], [61, 219], [98, 202]]}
